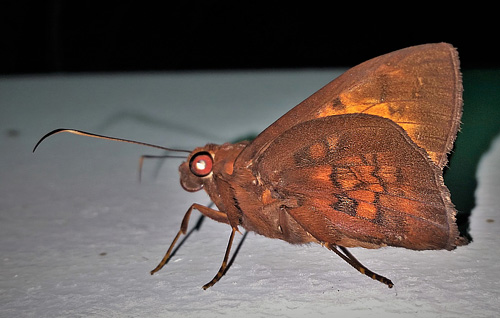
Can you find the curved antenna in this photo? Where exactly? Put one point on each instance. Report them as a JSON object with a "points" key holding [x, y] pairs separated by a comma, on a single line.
{"points": [[84, 133]]}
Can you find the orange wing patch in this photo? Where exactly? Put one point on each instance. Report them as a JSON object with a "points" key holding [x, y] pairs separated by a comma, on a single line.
{"points": [[366, 210], [321, 173], [414, 102], [318, 151]]}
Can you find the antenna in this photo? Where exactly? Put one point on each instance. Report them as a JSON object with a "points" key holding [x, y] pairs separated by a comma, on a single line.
{"points": [[84, 133]]}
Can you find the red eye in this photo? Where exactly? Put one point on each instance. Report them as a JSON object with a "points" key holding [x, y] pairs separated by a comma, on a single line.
{"points": [[201, 164]]}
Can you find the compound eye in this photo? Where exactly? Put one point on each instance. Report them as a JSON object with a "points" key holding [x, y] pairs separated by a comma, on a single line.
{"points": [[201, 164]]}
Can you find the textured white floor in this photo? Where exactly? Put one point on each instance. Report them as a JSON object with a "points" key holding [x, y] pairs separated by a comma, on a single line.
{"points": [[79, 234]]}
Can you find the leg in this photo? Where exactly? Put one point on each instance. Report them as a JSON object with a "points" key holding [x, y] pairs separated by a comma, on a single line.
{"points": [[349, 258], [223, 267], [141, 161], [211, 213]]}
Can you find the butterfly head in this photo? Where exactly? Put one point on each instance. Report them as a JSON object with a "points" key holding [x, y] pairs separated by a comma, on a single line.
{"points": [[203, 163], [197, 170]]}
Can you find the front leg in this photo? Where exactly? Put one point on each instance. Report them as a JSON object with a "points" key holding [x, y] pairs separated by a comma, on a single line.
{"points": [[211, 213], [223, 267]]}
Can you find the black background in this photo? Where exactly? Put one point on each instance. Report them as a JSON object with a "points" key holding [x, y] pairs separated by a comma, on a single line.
{"points": [[116, 36]]}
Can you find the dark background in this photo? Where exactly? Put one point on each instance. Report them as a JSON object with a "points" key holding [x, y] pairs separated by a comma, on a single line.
{"points": [[90, 36]]}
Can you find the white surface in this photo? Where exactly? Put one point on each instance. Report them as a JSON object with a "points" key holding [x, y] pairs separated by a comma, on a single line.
{"points": [[78, 197]]}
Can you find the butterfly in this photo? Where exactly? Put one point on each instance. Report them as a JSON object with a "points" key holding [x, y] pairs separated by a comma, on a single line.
{"points": [[357, 164]]}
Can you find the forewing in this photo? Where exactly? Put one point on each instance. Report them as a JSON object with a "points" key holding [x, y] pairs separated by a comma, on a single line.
{"points": [[359, 180], [419, 88]]}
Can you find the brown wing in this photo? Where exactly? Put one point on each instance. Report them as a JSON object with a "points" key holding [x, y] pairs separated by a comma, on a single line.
{"points": [[359, 180], [419, 88]]}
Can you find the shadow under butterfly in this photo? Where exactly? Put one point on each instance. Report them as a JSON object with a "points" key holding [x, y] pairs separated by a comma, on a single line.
{"points": [[357, 164]]}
